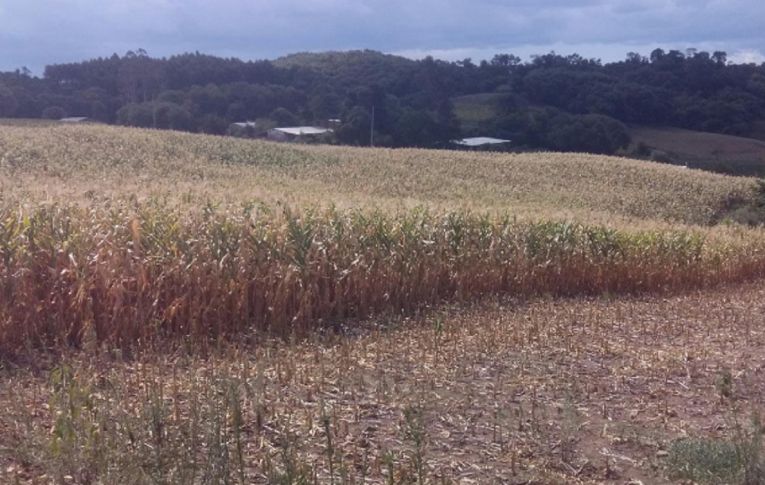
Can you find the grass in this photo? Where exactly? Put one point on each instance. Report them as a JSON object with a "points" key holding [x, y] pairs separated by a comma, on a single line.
{"points": [[708, 461], [736, 460]]}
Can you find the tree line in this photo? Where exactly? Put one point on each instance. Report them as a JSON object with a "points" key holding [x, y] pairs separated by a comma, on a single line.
{"points": [[551, 101]]}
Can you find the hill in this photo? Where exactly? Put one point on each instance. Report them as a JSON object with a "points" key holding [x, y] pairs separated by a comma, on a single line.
{"points": [[559, 103], [708, 151], [728, 154], [85, 163]]}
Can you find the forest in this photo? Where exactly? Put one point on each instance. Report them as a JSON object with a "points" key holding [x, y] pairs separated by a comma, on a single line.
{"points": [[551, 101]]}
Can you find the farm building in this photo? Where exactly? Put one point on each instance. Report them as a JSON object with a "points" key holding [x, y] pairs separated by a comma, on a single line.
{"points": [[294, 133], [480, 141], [74, 119], [245, 124], [244, 129]]}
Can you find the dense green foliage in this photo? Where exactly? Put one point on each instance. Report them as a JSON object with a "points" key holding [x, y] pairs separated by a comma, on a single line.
{"points": [[560, 131], [557, 102]]}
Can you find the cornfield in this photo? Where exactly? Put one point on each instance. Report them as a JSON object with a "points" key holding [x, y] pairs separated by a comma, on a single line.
{"points": [[128, 274], [117, 237], [93, 165], [184, 270]]}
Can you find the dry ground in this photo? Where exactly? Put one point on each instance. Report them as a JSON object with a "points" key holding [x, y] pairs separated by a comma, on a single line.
{"points": [[547, 391]]}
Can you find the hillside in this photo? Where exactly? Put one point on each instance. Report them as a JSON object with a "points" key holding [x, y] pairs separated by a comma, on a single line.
{"points": [[331, 63], [184, 308], [92, 163], [556, 103], [735, 155], [708, 151]]}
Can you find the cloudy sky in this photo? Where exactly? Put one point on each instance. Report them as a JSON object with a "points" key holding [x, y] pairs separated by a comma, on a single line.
{"points": [[34, 33]]}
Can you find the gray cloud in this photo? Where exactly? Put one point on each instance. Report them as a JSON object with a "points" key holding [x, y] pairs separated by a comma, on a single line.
{"points": [[46, 31]]}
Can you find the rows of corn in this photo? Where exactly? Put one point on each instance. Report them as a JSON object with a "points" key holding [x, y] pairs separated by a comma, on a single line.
{"points": [[128, 274], [90, 164]]}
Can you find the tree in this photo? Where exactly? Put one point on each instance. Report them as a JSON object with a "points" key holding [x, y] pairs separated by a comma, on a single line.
{"points": [[325, 105], [283, 117], [140, 76], [687, 88], [506, 61], [720, 57], [171, 116], [355, 129], [657, 55], [416, 128], [206, 100], [53, 113], [587, 133], [635, 58], [213, 124], [8, 102], [136, 114]]}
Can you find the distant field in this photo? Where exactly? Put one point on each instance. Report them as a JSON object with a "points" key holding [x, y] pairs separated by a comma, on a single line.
{"points": [[710, 151], [707, 151], [90, 164]]}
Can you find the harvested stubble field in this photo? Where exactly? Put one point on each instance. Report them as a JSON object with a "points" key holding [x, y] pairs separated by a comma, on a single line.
{"points": [[180, 309], [552, 391]]}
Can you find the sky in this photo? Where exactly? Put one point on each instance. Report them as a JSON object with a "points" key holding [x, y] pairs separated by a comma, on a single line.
{"points": [[34, 33]]}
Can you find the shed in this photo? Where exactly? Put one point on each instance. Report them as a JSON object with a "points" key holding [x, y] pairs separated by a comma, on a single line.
{"points": [[246, 124], [479, 141], [74, 119], [292, 133]]}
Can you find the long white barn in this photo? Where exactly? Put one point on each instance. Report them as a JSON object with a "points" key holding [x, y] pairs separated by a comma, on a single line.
{"points": [[478, 141], [293, 132]]}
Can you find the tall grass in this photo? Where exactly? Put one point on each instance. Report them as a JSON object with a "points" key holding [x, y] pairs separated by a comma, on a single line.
{"points": [[121, 275]]}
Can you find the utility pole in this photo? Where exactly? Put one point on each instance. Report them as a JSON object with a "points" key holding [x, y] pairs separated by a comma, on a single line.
{"points": [[372, 128]]}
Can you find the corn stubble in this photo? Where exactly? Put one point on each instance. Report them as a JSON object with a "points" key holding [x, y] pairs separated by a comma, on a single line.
{"points": [[122, 275]]}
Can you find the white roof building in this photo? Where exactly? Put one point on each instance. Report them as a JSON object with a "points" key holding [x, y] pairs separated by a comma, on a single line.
{"points": [[478, 141], [303, 130], [246, 124], [74, 119], [294, 133]]}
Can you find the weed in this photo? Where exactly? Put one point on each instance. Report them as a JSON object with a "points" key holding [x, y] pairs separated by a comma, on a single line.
{"points": [[724, 384], [739, 460], [414, 432]]}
